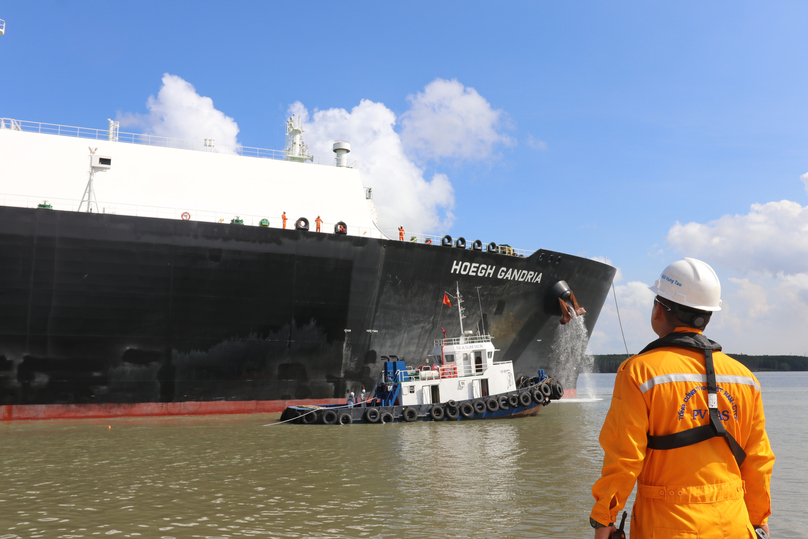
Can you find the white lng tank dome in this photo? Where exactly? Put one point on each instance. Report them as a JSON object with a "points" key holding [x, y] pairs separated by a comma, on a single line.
{"points": [[167, 178]]}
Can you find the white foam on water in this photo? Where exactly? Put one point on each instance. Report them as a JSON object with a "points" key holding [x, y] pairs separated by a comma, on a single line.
{"points": [[569, 347]]}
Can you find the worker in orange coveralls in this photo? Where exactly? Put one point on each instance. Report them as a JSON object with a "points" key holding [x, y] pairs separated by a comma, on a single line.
{"points": [[401, 233], [318, 222], [284, 219], [686, 423]]}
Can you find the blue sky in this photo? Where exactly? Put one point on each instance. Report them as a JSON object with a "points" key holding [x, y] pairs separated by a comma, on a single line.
{"points": [[601, 125]]}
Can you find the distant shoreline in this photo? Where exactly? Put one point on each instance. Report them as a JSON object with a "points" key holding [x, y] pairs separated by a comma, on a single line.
{"points": [[608, 363]]}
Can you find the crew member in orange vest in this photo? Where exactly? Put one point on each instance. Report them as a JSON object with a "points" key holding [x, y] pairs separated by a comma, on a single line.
{"points": [[284, 219], [401, 233], [319, 222]]}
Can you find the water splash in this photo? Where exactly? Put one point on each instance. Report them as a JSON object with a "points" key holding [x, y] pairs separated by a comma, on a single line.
{"points": [[569, 349]]}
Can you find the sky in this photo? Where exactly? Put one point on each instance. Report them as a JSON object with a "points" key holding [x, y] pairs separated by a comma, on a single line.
{"points": [[635, 133]]}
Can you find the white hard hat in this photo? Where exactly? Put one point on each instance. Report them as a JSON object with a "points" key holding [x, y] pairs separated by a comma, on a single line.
{"points": [[352, 394], [691, 283]]}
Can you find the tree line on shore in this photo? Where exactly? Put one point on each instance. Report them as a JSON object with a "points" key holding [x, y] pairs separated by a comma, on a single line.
{"points": [[606, 363]]}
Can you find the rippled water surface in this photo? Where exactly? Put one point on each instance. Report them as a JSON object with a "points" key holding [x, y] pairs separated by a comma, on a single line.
{"points": [[234, 477]]}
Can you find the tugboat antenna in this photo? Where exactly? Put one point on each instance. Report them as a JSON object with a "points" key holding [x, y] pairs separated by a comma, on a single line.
{"points": [[482, 320], [459, 308]]}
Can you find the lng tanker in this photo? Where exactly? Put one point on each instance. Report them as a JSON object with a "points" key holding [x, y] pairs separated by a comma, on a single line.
{"points": [[208, 304]]}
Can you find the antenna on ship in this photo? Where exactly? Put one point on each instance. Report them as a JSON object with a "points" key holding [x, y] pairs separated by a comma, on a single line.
{"points": [[98, 163], [296, 149], [460, 310]]}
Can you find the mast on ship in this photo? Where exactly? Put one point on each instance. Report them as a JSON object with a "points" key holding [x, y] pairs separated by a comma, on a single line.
{"points": [[98, 163], [296, 149], [460, 309]]}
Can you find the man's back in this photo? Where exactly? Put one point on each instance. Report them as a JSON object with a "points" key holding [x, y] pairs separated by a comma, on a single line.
{"points": [[664, 391]]}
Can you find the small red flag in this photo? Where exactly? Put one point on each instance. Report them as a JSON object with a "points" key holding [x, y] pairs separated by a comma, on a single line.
{"points": [[446, 299]]}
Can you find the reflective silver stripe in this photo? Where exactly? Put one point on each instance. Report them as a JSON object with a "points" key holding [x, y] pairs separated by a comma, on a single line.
{"points": [[702, 378]]}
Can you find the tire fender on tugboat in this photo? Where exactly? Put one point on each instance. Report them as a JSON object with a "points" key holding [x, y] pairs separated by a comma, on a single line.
{"points": [[436, 412], [409, 414], [372, 415]]}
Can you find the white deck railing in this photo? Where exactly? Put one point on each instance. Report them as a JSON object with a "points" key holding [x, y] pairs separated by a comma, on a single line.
{"points": [[154, 140]]}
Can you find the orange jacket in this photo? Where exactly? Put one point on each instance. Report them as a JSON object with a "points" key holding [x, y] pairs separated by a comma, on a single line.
{"points": [[698, 488]]}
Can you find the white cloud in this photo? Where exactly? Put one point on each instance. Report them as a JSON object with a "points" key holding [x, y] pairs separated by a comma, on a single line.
{"points": [[536, 144], [179, 112], [449, 120], [634, 301], [762, 261], [401, 193], [772, 238]]}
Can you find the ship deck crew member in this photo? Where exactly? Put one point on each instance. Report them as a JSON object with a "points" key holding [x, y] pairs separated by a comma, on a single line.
{"points": [[351, 399], [318, 222], [284, 219], [401, 233], [686, 424], [362, 395]]}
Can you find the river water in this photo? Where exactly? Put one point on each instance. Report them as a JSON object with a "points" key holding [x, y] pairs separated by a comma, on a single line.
{"points": [[233, 476]]}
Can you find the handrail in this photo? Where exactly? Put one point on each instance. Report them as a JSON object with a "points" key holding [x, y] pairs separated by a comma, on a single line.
{"points": [[468, 339], [162, 212], [155, 140]]}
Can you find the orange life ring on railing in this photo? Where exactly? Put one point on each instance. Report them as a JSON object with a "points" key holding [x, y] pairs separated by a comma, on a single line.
{"points": [[448, 371], [185, 216]]}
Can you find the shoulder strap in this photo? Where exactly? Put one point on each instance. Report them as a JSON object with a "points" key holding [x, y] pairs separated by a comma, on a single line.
{"points": [[715, 428]]}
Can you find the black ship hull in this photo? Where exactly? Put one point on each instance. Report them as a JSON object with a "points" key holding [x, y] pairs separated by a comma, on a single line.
{"points": [[124, 315]]}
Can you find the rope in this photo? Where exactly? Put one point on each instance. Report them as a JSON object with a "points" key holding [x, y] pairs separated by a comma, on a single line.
{"points": [[614, 292]]}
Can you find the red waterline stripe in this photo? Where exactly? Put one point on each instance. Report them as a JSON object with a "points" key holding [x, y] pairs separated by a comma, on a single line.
{"points": [[26, 412]]}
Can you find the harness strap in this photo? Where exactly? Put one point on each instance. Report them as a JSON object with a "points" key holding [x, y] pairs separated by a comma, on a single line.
{"points": [[704, 432]]}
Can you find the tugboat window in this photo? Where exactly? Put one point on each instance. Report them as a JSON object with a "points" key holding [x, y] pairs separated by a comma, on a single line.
{"points": [[478, 362]]}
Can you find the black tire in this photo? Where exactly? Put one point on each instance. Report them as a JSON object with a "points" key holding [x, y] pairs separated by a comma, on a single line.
{"points": [[329, 417], [446, 241], [452, 413], [538, 396], [386, 417], [341, 228], [513, 400], [460, 243], [451, 403], [502, 400], [372, 415], [479, 407], [558, 390], [467, 410], [436, 412], [309, 418], [344, 419], [492, 405], [302, 224], [524, 399], [492, 247], [545, 389], [409, 415], [477, 245]]}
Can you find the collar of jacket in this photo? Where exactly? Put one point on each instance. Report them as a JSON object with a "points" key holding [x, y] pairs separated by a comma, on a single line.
{"points": [[683, 337]]}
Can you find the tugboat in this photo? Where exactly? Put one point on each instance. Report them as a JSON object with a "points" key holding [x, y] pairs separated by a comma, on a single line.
{"points": [[460, 380]]}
